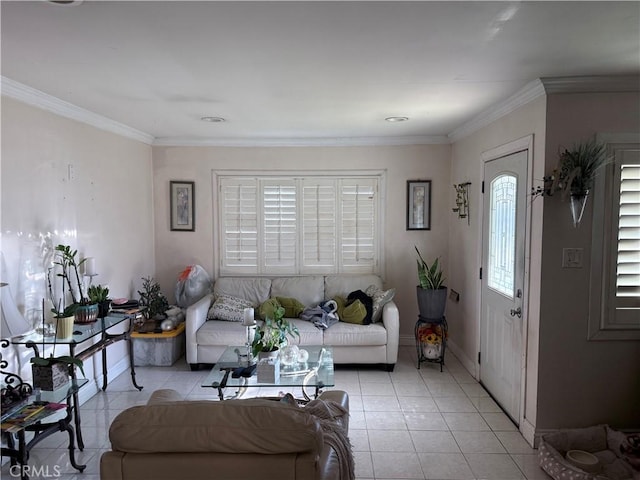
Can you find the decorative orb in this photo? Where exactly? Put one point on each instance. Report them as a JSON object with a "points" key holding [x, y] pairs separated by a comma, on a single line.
{"points": [[303, 355], [289, 355], [167, 325]]}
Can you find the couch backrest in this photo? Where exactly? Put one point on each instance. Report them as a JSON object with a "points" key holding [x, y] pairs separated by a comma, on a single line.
{"points": [[310, 290], [233, 426]]}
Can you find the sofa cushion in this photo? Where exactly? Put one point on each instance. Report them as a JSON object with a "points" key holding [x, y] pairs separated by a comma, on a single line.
{"points": [[267, 308], [292, 307], [217, 332], [249, 426], [347, 334], [309, 333], [254, 289], [343, 285], [308, 290], [228, 307], [354, 312], [380, 298]]}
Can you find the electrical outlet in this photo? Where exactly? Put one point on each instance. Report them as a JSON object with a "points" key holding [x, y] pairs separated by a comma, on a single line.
{"points": [[71, 170], [572, 257]]}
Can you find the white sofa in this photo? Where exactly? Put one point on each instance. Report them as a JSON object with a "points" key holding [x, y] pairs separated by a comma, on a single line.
{"points": [[376, 343]]}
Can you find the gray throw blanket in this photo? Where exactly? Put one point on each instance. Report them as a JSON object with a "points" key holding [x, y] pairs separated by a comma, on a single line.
{"points": [[328, 414], [322, 316]]}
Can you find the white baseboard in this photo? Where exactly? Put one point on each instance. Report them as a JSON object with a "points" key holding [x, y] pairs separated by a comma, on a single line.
{"points": [[95, 383], [466, 362], [528, 431], [407, 340]]}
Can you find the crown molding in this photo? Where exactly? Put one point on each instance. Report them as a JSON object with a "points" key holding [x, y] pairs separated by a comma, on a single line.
{"points": [[44, 101], [547, 86], [528, 93], [299, 142], [591, 84]]}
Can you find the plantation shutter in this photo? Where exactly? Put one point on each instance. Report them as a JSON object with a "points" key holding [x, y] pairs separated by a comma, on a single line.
{"points": [[239, 225], [280, 225], [358, 225], [319, 225], [627, 288], [293, 225]]}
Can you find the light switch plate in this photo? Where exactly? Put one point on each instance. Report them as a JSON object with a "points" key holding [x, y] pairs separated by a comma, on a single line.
{"points": [[572, 257]]}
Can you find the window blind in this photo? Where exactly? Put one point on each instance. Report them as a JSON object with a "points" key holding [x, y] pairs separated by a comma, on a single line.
{"points": [[298, 224], [628, 245]]}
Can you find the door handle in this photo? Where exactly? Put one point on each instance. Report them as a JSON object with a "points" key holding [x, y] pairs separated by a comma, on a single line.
{"points": [[517, 312]]}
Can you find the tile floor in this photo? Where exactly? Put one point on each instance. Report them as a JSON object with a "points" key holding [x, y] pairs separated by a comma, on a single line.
{"points": [[409, 424]]}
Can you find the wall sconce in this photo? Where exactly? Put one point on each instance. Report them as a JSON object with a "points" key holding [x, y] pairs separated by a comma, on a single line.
{"points": [[462, 200]]}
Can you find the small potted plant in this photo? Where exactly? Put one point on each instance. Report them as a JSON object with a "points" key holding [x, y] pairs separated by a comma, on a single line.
{"points": [[431, 292], [50, 373], [152, 298], [99, 295], [84, 310], [273, 333]]}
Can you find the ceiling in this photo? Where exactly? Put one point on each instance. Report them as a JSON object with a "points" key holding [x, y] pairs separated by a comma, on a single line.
{"points": [[307, 70]]}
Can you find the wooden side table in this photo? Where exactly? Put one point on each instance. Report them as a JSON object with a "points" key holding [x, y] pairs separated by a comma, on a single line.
{"points": [[431, 340]]}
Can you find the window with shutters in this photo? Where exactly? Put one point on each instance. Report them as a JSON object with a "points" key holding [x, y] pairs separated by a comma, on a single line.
{"points": [[294, 224], [616, 248]]}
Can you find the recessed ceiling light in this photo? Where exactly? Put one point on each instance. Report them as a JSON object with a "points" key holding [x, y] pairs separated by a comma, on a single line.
{"points": [[65, 3], [212, 119], [397, 119]]}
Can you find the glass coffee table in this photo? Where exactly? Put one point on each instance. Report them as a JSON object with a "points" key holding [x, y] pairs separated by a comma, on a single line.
{"points": [[316, 372]]}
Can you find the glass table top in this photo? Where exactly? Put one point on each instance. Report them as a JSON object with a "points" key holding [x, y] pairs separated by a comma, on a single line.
{"points": [[317, 371], [81, 332]]}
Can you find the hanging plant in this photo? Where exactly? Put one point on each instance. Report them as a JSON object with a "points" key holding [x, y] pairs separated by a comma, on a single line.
{"points": [[577, 170]]}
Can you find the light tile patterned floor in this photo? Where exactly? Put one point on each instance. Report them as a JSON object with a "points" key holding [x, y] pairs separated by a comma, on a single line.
{"points": [[409, 424]]}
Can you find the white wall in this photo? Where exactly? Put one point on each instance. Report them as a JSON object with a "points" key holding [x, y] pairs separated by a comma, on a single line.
{"points": [[175, 250], [581, 382], [465, 243], [105, 212]]}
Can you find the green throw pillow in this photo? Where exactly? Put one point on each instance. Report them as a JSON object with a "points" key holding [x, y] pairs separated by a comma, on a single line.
{"points": [[292, 307], [355, 312], [268, 307]]}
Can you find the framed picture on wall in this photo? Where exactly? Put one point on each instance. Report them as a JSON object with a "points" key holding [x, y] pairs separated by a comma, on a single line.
{"points": [[419, 205], [183, 215]]}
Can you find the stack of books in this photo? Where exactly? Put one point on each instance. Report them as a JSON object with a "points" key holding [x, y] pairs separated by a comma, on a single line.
{"points": [[22, 416]]}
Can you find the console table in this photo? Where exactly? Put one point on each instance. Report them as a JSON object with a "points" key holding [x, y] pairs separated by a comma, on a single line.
{"points": [[17, 394], [82, 333]]}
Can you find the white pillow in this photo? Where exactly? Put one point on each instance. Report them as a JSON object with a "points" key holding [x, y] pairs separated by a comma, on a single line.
{"points": [[228, 307], [380, 298]]}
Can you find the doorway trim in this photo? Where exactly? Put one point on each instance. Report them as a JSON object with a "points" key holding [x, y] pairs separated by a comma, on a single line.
{"points": [[519, 145]]}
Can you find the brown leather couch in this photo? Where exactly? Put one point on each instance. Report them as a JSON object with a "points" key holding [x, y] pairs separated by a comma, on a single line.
{"points": [[170, 438]]}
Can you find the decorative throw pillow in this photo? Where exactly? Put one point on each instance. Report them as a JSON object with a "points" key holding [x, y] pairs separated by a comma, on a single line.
{"points": [[365, 300], [352, 312], [228, 307], [380, 298], [268, 307], [292, 307]]}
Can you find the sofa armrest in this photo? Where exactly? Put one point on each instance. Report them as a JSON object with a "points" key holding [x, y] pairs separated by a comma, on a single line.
{"points": [[391, 322], [196, 316]]}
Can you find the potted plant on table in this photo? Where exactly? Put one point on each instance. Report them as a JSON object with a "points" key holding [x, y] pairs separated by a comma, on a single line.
{"points": [[84, 310], [272, 335], [152, 298], [50, 373], [431, 292], [99, 295]]}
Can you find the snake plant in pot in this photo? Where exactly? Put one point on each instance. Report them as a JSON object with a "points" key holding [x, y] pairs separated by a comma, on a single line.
{"points": [[431, 292]]}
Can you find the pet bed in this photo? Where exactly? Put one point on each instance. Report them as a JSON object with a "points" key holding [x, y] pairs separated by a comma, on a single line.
{"points": [[601, 441]]}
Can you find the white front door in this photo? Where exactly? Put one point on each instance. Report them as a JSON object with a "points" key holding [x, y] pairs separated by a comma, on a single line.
{"points": [[503, 262]]}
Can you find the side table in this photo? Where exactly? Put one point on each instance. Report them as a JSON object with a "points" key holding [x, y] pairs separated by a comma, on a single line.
{"points": [[431, 340]]}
